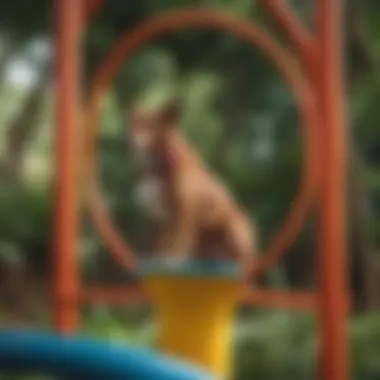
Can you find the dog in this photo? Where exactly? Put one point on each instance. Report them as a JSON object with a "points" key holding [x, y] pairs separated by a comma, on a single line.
{"points": [[194, 213]]}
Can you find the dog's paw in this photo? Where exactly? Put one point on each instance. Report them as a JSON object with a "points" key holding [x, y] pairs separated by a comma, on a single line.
{"points": [[175, 261]]}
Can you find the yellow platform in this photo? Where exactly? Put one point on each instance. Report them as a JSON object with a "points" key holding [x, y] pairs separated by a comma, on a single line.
{"points": [[195, 305]]}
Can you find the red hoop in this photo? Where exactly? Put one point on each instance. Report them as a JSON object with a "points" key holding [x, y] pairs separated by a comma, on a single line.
{"points": [[248, 32]]}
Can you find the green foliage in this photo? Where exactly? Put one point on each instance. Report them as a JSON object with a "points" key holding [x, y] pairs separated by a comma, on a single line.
{"points": [[24, 225], [21, 21], [274, 346]]}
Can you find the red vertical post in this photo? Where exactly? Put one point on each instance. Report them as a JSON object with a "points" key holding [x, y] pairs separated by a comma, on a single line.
{"points": [[333, 250], [69, 17]]}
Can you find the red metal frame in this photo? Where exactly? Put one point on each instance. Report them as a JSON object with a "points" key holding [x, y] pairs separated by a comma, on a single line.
{"points": [[320, 54], [121, 295], [69, 21], [332, 249], [171, 22]]}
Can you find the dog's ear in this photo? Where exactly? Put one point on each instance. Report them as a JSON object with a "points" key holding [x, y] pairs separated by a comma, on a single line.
{"points": [[170, 113]]}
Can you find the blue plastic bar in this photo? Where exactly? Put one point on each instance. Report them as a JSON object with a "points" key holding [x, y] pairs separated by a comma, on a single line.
{"points": [[81, 358]]}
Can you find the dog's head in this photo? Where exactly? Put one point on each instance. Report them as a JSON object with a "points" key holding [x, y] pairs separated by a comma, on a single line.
{"points": [[149, 129]]}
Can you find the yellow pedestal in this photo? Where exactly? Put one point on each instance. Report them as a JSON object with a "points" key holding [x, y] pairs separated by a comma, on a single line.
{"points": [[195, 311]]}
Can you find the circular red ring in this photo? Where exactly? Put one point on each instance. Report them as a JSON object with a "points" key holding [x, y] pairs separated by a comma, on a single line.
{"points": [[248, 32]]}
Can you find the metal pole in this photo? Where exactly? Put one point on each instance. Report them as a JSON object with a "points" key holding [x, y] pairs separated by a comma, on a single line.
{"points": [[69, 17], [333, 250]]}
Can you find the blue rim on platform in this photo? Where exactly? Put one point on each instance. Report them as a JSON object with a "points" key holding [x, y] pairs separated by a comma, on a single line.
{"points": [[80, 358], [226, 269]]}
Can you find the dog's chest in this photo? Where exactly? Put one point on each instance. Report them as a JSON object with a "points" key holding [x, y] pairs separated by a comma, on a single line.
{"points": [[151, 195]]}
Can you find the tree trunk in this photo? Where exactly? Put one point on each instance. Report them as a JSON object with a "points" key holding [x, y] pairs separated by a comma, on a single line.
{"points": [[236, 109], [359, 51], [7, 53], [22, 129], [365, 264], [365, 269]]}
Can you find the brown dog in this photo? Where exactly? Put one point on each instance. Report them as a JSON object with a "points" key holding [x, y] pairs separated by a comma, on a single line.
{"points": [[193, 211]]}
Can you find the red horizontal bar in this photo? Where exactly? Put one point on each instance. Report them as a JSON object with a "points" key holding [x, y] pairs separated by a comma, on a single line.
{"points": [[118, 295], [282, 299], [114, 295]]}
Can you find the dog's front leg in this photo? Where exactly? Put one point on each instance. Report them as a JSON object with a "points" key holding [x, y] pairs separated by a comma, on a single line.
{"points": [[183, 232]]}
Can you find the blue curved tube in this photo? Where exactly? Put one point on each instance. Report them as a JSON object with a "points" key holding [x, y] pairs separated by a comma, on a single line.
{"points": [[80, 358]]}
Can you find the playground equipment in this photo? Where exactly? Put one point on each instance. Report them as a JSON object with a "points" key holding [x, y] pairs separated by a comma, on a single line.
{"points": [[195, 306], [83, 359], [312, 67]]}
